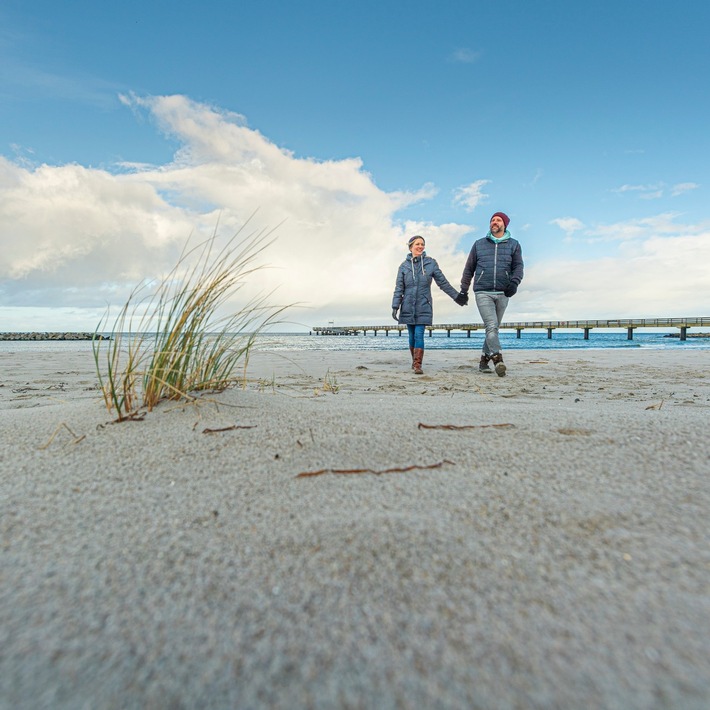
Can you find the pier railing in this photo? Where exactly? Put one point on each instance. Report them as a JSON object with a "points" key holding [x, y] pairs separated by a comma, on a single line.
{"points": [[630, 324]]}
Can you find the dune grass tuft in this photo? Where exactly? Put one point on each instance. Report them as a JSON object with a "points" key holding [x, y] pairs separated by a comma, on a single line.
{"points": [[170, 343]]}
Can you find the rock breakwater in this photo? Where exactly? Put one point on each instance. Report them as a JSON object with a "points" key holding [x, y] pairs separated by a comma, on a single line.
{"points": [[52, 336]]}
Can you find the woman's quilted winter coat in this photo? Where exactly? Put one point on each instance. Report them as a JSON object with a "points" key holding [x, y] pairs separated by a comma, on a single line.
{"points": [[412, 292]]}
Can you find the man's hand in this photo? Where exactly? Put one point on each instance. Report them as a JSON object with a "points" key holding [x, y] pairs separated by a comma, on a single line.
{"points": [[394, 314], [511, 290], [461, 299]]}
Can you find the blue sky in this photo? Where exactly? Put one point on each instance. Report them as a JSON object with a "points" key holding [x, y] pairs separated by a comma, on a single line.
{"points": [[125, 127]]}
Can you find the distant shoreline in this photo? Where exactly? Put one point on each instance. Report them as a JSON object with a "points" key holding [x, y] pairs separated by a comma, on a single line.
{"points": [[688, 335], [53, 336]]}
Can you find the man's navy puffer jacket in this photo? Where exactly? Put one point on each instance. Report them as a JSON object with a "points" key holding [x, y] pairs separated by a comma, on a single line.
{"points": [[493, 267]]}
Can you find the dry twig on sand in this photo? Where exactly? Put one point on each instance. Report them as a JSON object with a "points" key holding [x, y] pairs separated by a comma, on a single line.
{"points": [[454, 427], [307, 474], [229, 428]]}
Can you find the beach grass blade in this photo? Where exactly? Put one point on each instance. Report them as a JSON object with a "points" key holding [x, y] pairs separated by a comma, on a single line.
{"points": [[169, 342]]}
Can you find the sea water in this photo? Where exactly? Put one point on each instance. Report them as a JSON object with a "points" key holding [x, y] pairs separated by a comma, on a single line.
{"points": [[528, 340], [561, 340]]}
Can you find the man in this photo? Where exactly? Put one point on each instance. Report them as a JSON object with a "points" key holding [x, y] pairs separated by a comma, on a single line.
{"points": [[495, 265]]}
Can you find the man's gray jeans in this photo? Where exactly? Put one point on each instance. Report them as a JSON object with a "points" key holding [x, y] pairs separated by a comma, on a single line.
{"points": [[491, 306]]}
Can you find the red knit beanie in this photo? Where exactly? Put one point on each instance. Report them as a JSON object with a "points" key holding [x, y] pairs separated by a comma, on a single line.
{"points": [[503, 216]]}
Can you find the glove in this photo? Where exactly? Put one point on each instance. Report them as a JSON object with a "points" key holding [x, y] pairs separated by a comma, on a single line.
{"points": [[462, 298], [394, 314], [511, 290]]}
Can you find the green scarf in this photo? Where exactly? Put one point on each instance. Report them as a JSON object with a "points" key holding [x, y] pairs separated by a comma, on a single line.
{"points": [[502, 239]]}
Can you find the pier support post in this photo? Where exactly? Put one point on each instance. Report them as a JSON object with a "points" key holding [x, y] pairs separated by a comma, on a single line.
{"points": [[518, 331], [468, 333], [586, 333], [629, 333], [431, 332], [549, 333], [448, 333], [683, 332]]}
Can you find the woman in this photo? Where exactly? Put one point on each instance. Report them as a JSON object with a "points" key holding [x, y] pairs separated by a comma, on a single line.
{"points": [[411, 302]]}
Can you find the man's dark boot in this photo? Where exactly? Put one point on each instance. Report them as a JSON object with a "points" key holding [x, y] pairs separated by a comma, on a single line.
{"points": [[499, 364], [411, 350], [483, 365], [417, 364]]}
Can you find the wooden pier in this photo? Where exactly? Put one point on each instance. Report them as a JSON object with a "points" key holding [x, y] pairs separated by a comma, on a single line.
{"points": [[629, 324]]}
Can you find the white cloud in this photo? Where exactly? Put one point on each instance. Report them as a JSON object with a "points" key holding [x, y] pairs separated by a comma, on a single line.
{"points": [[74, 238], [642, 228], [657, 191], [638, 229], [537, 177], [682, 187], [29, 80], [651, 279], [645, 192], [645, 273], [569, 225], [79, 237], [465, 55], [631, 188], [470, 196]]}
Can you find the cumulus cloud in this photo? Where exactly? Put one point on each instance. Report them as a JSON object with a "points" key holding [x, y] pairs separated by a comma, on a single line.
{"points": [[644, 272], [74, 236], [652, 278], [470, 196]]}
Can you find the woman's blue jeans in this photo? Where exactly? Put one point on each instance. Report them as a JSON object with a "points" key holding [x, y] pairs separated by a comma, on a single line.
{"points": [[491, 306], [416, 336]]}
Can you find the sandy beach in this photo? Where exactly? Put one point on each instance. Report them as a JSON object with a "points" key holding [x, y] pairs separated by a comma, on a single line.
{"points": [[340, 533]]}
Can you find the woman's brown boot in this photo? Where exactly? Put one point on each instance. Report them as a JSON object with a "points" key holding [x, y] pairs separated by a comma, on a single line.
{"points": [[411, 350], [483, 364], [499, 364], [417, 364]]}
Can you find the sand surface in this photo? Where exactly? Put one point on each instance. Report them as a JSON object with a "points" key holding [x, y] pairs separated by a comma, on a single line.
{"points": [[550, 551]]}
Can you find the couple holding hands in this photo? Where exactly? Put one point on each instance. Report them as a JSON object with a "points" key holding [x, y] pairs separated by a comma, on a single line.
{"points": [[495, 265]]}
